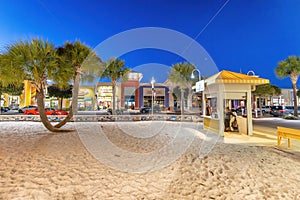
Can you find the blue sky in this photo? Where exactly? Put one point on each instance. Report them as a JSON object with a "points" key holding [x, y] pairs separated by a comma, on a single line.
{"points": [[238, 35]]}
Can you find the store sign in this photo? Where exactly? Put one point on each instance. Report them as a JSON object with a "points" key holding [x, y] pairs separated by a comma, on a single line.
{"points": [[200, 86], [158, 91]]}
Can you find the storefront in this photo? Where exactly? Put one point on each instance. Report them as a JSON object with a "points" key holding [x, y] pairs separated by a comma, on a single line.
{"points": [[104, 96], [86, 98], [130, 91], [160, 96]]}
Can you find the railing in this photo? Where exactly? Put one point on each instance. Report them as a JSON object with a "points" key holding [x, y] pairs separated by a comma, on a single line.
{"points": [[95, 118]]}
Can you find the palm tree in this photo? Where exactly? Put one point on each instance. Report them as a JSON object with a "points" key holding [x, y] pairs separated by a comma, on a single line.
{"points": [[180, 75], [115, 69], [263, 91], [290, 67], [78, 62], [10, 76], [60, 93], [36, 61]]}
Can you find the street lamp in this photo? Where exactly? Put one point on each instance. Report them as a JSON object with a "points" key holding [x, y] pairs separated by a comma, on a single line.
{"points": [[152, 88], [199, 77], [199, 74]]}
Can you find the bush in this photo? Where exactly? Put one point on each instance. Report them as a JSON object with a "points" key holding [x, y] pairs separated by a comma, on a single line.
{"points": [[290, 117]]}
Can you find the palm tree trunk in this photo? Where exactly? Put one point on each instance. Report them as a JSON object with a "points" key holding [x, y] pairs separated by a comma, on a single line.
{"points": [[260, 108], [114, 97], [60, 103], [295, 99], [74, 104], [0, 101], [182, 100], [190, 99], [75, 91], [41, 109]]}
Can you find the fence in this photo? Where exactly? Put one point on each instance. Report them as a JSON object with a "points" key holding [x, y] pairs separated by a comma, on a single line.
{"points": [[95, 118]]}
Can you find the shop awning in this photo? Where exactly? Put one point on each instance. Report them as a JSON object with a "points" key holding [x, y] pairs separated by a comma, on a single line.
{"points": [[233, 77]]}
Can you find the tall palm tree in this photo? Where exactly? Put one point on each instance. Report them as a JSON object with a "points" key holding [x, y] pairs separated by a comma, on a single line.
{"points": [[290, 67], [181, 75], [78, 62], [36, 60], [115, 69]]}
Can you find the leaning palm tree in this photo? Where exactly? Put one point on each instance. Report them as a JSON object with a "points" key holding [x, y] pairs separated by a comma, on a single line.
{"points": [[290, 67], [36, 60], [78, 62], [181, 75], [115, 69]]}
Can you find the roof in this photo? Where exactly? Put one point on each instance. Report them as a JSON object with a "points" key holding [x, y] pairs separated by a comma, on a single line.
{"points": [[233, 77]]}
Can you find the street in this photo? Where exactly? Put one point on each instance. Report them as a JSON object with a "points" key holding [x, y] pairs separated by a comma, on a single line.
{"points": [[269, 124]]}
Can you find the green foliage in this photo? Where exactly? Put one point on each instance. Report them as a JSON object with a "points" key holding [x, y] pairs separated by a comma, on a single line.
{"points": [[12, 89], [267, 90], [35, 58], [10, 72], [288, 67], [56, 91], [290, 117], [77, 57], [277, 90], [298, 93], [181, 74], [115, 69]]}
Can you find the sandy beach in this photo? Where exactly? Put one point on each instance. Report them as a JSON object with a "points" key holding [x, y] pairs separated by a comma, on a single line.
{"points": [[139, 160]]}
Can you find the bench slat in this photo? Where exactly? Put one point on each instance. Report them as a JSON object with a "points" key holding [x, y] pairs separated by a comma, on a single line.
{"points": [[283, 132]]}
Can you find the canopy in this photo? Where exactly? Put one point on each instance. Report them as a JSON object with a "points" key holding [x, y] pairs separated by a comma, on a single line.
{"points": [[233, 77]]}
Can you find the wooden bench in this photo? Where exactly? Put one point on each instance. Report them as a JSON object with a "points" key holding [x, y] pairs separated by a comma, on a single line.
{"points": [[283, 132]]}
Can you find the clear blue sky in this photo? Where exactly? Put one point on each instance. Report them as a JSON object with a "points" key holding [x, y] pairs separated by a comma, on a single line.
{"points": [[239, 35]]}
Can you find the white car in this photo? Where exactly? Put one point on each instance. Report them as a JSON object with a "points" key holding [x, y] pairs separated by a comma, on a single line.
{"points": [[21, 110]]}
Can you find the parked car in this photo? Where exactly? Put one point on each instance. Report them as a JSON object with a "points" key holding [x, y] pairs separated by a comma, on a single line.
{"points": [[289, 110], [49, 111], [5, 109], [156, 109], [21, 110], [266, 109], [58, 112], [35, 111], [277, 111]]}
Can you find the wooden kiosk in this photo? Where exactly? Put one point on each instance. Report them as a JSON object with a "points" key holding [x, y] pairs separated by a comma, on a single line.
{"points": [[225, 86]]}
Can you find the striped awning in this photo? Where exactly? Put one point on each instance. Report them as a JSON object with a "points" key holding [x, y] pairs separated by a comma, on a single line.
{"points": [[233, 77]]}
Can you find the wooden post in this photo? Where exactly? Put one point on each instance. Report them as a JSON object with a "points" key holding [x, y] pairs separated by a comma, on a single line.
{"points": [[278, 141], [249, 114], [220, 107]]}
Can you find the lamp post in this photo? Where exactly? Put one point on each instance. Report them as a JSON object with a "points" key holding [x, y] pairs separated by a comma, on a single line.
{"points": [[199, 77], [152, 88], [199, 74]]}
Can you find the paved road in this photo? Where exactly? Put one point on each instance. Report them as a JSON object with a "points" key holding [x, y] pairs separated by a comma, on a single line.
{"points": [[269, 125]]}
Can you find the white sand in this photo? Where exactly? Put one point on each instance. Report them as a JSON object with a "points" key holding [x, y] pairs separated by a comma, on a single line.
{"points": [[36, 164]]}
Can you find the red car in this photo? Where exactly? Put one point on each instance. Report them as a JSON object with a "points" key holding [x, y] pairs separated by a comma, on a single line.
{"points": [[35, 111], [49, 111], [59, 112]]}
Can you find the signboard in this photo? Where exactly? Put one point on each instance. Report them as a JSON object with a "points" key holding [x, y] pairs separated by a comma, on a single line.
{"points": [[200, 86], [158, 91]]}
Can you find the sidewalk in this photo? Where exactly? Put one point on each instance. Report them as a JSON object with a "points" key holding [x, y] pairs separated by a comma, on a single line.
{"points": [[260, 138]]}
